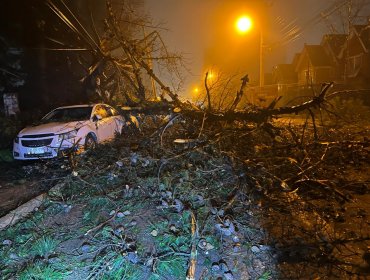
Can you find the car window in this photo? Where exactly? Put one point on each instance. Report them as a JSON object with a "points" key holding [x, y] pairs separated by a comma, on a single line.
{"points": [[100, 110], [68, 114]]}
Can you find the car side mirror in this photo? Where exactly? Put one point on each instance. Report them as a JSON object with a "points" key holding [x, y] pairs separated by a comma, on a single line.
{"points": [[96, 118]]}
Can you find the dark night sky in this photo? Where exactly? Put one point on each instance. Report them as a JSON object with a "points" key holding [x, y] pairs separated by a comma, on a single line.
{"points": [[203, 31]]}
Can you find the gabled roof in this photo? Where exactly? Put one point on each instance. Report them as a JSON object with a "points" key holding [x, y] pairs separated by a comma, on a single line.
{"points": [[316, 56], [296, 59]]}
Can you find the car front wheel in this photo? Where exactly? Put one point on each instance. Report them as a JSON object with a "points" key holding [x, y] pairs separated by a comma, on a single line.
{"points": [[90, 142]]}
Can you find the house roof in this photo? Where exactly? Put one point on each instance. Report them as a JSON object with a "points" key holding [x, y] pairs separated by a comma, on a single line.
{"points": [[296, 59], [316, 55]]}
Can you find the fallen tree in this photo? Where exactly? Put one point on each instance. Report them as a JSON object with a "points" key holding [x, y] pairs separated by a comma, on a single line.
{"points": [[192, 195]]}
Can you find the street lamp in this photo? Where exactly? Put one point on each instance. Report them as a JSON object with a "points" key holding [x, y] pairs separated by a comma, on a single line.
{"points": [[244, 24]]}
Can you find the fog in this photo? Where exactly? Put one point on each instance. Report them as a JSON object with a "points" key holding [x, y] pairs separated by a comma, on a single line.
{"points": [[204, 32]]}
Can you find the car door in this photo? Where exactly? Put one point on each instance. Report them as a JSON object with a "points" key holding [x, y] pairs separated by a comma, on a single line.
{"points": [[102, 123], [116, 121]]}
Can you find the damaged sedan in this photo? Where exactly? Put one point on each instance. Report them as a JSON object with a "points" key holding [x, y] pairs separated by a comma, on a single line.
{"points": [[75, 128]]}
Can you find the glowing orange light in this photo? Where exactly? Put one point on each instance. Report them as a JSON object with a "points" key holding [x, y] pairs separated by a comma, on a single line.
{"points": [[244, 24]]}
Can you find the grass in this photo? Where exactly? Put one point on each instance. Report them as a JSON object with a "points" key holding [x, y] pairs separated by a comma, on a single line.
{"points": [[114, 266], [40, 271], [95, 207], [175, 267], [265, 276], [120, 268], [44, 246], [97, 197]]}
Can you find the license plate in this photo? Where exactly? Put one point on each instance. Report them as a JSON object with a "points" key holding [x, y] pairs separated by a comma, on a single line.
{"points": [[36, 151]]}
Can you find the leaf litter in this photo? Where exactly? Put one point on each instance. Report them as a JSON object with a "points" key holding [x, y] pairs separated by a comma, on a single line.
{"points": [[237, 201]]}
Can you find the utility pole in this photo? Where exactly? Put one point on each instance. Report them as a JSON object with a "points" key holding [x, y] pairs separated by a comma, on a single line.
{"points": [[262, 75]]}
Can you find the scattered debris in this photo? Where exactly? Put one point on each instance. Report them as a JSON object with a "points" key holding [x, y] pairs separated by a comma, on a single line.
{"points": [[241, 204]]}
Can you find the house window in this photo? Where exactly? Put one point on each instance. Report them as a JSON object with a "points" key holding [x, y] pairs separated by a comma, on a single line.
{"points": [[309, 76], [353, 65]]}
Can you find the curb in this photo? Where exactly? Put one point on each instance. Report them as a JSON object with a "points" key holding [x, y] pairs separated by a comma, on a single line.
{"points": [[21, 212]]}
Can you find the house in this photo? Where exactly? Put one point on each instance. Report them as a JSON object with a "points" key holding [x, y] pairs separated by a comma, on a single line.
{"points": [[285, 77], [295, 60], [333, 45], [284, 74], [340, 58], [356, 56], [314, 66]]}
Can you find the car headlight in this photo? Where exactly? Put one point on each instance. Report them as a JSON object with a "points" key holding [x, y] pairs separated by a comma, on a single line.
{"points": [[16, 140], [68, 135]]}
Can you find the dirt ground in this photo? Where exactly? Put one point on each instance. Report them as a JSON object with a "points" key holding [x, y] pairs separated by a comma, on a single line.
{"points": [[239, 202], [22, 181]]}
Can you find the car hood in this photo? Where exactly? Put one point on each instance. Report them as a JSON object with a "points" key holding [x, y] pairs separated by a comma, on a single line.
{"points": [[53, 127]]}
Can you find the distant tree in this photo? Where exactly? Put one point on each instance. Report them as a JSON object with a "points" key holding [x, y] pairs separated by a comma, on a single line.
{"points": [[117, 49], [342, 14]]}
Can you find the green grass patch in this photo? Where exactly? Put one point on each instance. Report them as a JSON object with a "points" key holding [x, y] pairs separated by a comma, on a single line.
{"points": [[44, 246], [171, 266], [39, 271]]}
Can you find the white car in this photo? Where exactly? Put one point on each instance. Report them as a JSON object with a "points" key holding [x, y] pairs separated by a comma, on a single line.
{"points": [[72, 127]]}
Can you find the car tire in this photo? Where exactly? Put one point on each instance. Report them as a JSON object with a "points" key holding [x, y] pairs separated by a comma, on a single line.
{"points": [[90, 142]]}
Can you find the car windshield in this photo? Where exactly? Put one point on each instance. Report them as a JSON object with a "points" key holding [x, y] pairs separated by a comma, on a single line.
{"points": [[68, 114]]}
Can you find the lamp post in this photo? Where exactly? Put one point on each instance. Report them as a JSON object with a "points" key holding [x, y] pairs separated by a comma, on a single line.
{"points": [[262, 75], [243, 25]]}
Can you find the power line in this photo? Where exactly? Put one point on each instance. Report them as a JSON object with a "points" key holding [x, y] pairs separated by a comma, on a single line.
{"points": [[292, 31]]}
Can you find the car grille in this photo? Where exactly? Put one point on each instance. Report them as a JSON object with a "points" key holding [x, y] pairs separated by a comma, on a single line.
{"points": [[48, 154], [37, 143], [38, 135]]}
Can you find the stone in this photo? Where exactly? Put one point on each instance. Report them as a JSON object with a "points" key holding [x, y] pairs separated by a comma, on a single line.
{"points": [[120, 215], [255, 249], [133, 257], [236, 239], [215, 267], [178, 205], [228, 275], [85, 248], [7, 242], [223, 266], [236, 248]]}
